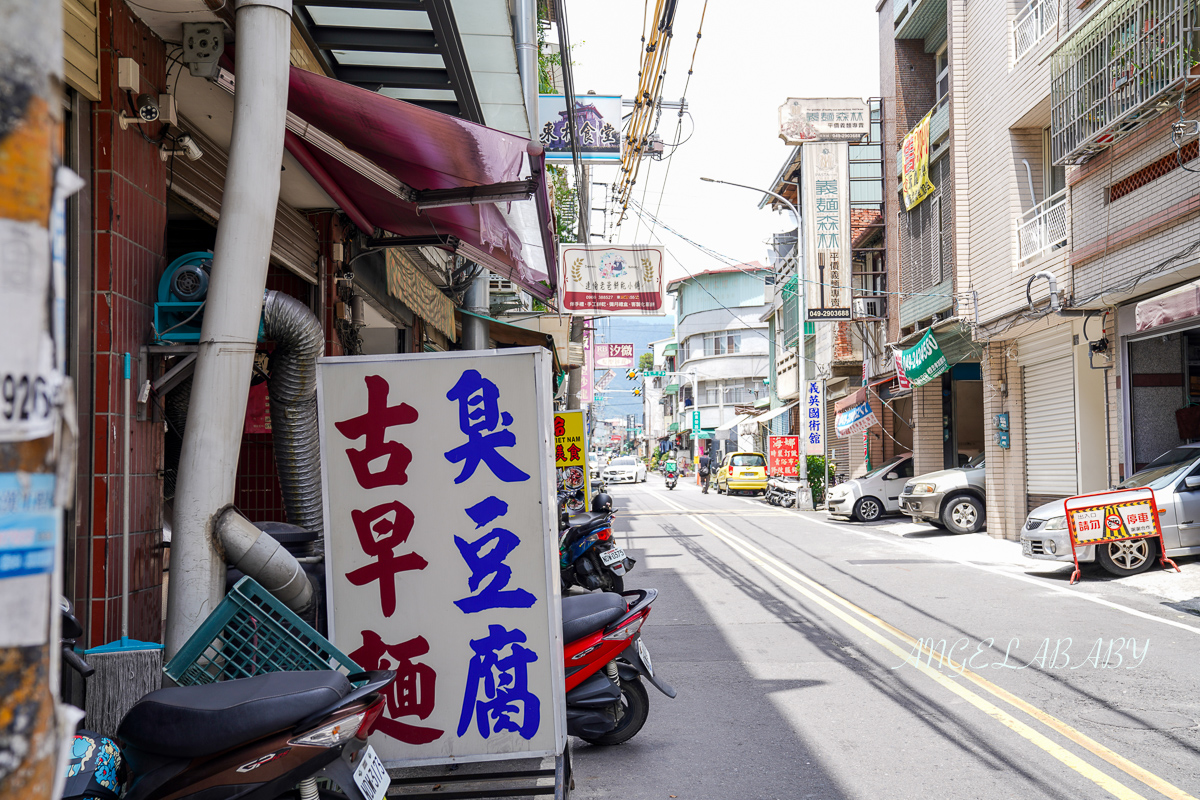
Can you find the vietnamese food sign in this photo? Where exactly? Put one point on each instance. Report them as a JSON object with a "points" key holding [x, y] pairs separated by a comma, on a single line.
{"points": [[616, 280], [441, 554], [826, 199], [597, 128], [924, 361], [570, 451]]}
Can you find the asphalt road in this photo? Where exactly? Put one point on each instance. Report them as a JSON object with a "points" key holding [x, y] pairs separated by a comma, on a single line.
{"points": [[824, 659]]}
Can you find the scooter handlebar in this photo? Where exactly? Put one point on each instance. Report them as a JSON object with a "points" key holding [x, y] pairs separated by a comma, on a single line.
{"points": [[76, 662]]}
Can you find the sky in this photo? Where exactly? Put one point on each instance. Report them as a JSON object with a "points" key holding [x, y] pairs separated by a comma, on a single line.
{"points": [[753, 55]]}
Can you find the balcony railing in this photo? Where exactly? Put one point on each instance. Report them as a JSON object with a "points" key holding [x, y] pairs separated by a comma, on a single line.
{"points": [[1032, 23], [1043, 227], [1118, 71]]}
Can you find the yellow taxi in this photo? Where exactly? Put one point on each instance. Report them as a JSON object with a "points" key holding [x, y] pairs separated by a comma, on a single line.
{"points": [[742, 472]]}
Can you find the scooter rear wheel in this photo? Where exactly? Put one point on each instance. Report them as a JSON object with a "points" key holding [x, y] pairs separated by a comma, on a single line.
{"points": [[636, 706]]}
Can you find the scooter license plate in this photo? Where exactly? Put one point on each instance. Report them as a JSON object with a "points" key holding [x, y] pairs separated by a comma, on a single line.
{"points": [[645, 654], [610, 557], [370, 776]]}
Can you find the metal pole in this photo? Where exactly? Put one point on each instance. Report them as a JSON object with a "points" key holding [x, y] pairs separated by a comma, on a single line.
{"points": [[229, 334], [802, 365]]}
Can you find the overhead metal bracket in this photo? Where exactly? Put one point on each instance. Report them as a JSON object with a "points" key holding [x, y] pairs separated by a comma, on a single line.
{"points": [[474, 195]]}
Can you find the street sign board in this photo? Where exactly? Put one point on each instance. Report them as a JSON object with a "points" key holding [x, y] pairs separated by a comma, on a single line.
{"points": [[696, 420], [654, 373], [441, 551], [570, 451]]}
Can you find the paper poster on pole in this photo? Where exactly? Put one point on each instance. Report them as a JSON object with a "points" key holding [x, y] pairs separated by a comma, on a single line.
{"points": [[826, 200], [442, 550]]}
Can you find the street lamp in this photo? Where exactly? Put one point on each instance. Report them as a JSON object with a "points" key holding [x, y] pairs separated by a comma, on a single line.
{"points": [[802, 301]]}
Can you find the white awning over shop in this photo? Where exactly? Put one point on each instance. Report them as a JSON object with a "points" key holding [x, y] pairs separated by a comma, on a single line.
{"points": [[733, 423], [763, 419], [1170, 307]]}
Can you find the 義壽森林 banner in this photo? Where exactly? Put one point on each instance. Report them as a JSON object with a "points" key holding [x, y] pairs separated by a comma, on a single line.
{"points": [[914, 164], [597, 128], [826, 199], [923, 361], [614, 355], [783, 455], [611, 280], [823, 119], [441, 555]]}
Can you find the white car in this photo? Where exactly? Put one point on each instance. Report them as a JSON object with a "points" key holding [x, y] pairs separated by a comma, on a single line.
{"points": [[625, 468], [874, 494]]}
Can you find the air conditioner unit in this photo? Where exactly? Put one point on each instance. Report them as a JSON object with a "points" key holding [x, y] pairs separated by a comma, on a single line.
{"points": [[868, 307]]}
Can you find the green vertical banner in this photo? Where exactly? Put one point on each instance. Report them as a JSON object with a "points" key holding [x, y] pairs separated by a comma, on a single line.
{"points": [[924, 361]]}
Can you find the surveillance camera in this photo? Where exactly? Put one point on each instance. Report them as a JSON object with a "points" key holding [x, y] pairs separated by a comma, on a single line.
{"points": [[147, 108], [191, 150]]}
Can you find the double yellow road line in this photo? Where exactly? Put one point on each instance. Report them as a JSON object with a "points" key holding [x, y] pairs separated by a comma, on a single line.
{"points": [[895, 642]]}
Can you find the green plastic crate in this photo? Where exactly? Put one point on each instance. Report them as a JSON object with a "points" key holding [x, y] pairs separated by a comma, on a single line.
{"points": [[251, 633]]}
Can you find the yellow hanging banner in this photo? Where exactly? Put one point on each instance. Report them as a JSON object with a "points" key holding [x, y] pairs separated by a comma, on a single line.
{"points": [[916, 183]]}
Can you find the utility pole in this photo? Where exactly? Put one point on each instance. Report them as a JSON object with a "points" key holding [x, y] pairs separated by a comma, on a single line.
{"points": [[32, 494]]}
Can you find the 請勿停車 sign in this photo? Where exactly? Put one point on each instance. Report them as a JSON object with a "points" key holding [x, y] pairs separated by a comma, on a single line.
{"points": [[441, 552], [1104, 517]]}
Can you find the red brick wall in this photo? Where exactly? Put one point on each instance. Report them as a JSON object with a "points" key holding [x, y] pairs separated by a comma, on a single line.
{"points": [[128, 188], [915, 74]]}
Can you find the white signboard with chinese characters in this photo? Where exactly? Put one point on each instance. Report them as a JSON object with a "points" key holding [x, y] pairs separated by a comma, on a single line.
{"points": [[597, 128], [441, 555], [823, 119], [826, 203], [812, 418], [611, 280]]}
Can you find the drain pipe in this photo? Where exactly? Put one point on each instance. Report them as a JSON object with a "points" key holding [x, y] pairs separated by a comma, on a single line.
{"points": [[525, 37], [264, 559], [229, 334]]}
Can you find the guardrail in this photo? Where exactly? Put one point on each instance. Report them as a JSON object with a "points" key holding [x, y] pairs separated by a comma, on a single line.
{"points": [[1043, 227], [1032, 23]]}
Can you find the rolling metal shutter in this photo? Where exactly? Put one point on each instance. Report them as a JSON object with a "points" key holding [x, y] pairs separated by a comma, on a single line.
{"points": [[1048, 380], [202, 185]]}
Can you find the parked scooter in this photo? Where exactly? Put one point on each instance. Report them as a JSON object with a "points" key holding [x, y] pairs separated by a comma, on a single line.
{"points": [[605, 661], [250, 738], [588, 556], [782, 491]]}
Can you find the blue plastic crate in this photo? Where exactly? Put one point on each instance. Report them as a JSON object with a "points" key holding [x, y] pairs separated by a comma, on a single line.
{"points": [[251, 633]]}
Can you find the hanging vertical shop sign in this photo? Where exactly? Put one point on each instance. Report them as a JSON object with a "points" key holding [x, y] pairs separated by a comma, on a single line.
{"points": [[442, 553], [570, 451], [783, 453], [605, 380], [618, 280], [823, 119], [587, 380], [614, 355], [826, 168], [924, 361], [812, 419], [914, 163], [597, 128]]}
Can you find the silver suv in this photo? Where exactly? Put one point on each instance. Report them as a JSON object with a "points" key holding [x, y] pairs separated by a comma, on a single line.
{"points": [[952, 499]]}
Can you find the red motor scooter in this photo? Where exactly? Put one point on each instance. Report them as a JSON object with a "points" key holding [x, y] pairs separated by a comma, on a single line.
{"points": [[605, 661]]}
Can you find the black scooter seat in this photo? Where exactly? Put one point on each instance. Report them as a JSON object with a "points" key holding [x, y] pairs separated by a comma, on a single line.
{"points": [[585, 613], [194, 721], [587, 519]]}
